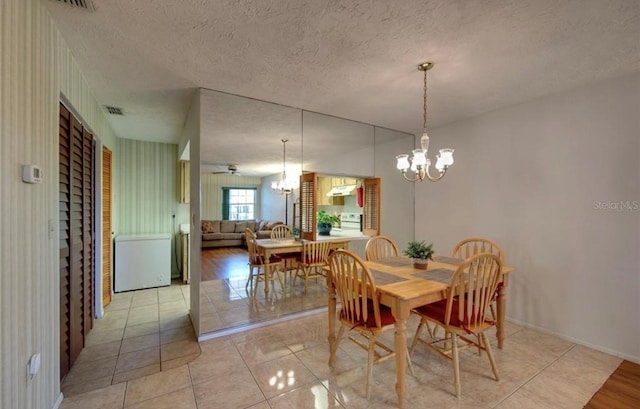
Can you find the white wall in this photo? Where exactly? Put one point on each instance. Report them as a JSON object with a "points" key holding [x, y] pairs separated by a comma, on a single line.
{"points": [[191, 133], [36, 71], [397, 195], [272, 203], [528, 177]]}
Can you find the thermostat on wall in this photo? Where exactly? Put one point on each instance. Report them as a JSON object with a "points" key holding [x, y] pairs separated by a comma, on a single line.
{"points": [[32, 174]]}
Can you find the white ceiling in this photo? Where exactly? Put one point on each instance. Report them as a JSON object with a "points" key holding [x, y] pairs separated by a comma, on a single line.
{"points": [[352, 59]]}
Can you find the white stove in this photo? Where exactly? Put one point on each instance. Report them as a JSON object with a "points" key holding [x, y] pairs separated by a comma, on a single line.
{"points": [[351, 221]]}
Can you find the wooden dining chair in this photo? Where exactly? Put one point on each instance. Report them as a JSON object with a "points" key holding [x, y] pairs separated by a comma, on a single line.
{"points": [[312, 260], [281, 231], [462, 313], [380, 247], [259, 270], [360, 310], [474, 245], [284, 232]]}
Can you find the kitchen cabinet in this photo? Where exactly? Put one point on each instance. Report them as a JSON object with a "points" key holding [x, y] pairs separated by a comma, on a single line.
{"points": [[323, 187], [341, 181]]}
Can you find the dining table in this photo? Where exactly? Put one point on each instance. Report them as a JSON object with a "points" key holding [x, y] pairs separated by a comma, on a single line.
{"points": [[402, 288], [271, 247]]}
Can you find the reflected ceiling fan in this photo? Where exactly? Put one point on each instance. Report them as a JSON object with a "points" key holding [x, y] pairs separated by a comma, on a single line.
{"points": [[231, 170]]}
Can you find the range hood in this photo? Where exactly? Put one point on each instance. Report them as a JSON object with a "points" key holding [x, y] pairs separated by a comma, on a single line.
{"points": [[346, 190]]}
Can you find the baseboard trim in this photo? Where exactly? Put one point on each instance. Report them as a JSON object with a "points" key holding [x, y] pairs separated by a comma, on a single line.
{"points": [[600, 348], [232, 331], [58, 402]]}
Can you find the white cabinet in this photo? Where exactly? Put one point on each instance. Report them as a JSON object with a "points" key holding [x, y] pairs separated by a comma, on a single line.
{"points": [[142, 261]]}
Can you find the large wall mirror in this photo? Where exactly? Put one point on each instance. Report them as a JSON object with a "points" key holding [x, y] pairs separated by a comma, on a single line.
{"points": [[337, 146], [241, 153], [241, 148]]}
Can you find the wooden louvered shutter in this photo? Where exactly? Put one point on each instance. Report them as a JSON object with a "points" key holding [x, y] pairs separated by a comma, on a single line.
{"points": [[76, 283], [76, 197], [371, 209], [106, 226], [307, 206], [88, 217], [64, 228]]}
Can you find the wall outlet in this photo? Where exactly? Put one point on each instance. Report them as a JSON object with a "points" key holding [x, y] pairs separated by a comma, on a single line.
{"points": [[33, 366]]}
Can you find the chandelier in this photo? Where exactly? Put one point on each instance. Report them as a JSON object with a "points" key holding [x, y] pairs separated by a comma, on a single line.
{"points": [[420, 163], [284, 186]]}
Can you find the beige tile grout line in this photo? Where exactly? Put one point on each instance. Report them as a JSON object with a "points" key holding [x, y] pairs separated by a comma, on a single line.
{"points": [[532, 377]]}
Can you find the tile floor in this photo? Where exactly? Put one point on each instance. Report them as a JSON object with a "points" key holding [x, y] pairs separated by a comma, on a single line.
{"points": [[228, 303], [142, 333], [284, 365]]}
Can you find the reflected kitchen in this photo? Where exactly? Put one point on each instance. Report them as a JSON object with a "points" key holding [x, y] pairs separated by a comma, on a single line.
{"points": [[342, 197]]}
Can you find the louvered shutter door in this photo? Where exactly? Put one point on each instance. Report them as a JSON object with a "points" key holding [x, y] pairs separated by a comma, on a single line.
{"points": [[371, 210], [307, 206], [77, 248], [106, 226], [88, 243], [65, 237]]}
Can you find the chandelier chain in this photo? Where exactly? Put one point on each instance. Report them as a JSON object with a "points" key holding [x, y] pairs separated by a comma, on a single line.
{"points": [[424, 109]]}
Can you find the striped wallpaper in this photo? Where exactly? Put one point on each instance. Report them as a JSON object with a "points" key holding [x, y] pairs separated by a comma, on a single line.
{"points": [[211, 192], [36, 71], [146, 192]]}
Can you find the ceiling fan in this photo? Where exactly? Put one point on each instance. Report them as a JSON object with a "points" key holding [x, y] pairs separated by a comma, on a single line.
{"points": [[231, 170]]}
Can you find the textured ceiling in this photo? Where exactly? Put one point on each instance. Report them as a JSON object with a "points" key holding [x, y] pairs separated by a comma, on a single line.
{"points": [[352, 59]]}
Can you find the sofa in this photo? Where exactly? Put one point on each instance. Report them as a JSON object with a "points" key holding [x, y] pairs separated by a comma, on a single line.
{"points": [[229, 233]]}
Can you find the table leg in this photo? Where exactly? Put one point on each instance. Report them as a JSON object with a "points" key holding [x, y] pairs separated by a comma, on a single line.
{"points": [[401, 314], [501, 306], [267, 271]]}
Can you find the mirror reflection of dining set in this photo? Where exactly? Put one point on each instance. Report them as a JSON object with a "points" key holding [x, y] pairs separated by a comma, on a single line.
{"points": [[456, 300]]}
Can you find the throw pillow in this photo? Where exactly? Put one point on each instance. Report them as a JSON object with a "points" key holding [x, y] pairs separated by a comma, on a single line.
{"points": [[207, 226]]}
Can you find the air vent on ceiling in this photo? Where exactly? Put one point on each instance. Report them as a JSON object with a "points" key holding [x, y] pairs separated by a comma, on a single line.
{"points": [[114, 110], [83, 4]]}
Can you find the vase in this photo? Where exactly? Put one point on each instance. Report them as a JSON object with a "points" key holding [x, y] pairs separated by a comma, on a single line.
{"points": [[324, 229], [420, 264]]}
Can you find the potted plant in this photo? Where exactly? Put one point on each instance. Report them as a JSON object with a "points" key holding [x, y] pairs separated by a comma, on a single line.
{"points": [[325, 222], [420, 253]]}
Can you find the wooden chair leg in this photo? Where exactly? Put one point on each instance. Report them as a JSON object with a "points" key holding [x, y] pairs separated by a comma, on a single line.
{"points": [[279, 270], [493, 311], [306, 278], [250, 279], [432, 331], [487, 347], [410, 364], [415, 337], [456, 364], [295, 276]]}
